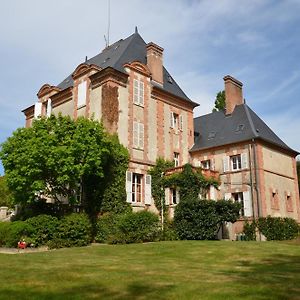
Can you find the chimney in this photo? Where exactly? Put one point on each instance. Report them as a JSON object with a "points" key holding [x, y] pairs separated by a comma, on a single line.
{"points": [[233, 93], [155, 62]]}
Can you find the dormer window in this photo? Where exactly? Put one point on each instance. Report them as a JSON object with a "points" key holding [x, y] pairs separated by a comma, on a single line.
{"points": [[138, 92]]}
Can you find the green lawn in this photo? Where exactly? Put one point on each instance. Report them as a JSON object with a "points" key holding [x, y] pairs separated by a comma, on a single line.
{"points": [[165, 270]]}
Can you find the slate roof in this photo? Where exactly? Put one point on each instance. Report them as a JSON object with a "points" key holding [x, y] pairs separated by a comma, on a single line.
{"points": [[218, 129], [116, 55]]}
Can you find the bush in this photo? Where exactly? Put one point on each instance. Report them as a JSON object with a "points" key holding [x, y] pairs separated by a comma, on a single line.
{"points": [[250, 231], [134, 228], [11, 233], [196, 219], [44, 229], [107, 228], [74, 230], [276, 228], [168, 233]]}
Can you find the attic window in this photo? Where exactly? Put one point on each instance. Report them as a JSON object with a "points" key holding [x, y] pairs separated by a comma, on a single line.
{"points": [[170, 79], [106, 59], [239, 128], [212, 135]]}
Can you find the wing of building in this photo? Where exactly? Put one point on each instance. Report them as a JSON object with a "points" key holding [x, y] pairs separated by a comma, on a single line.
{"points": [[127, 87]]}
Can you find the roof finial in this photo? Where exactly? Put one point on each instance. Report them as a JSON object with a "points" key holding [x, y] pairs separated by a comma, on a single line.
{"points": [[136, 30]]}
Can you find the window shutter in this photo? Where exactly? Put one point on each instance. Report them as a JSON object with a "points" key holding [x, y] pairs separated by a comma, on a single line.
{"points": [[141, 135], [135, 91], [177, 195], [212, 193], [167, 196], [135, 134], [244, 159], [81, 94], [148, 190], [180, 122], [227, 196], [37, 109], [129, 186], [247, 204], [226, 164], [171, 120], [141, 93], [212, 164], [49, 107]]}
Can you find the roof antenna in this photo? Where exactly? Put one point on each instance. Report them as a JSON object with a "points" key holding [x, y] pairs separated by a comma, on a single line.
{"points": [[136, 29], [106, 38], [86, 59]]}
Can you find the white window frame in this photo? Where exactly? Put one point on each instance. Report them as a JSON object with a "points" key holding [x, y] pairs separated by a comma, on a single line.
{"points": [[137, 188], [138, 135], [49, 108], [239, 197], [206, 164], [236, 162], [138, 92], [174, 195], [81, 95], [176, 159], [176, 121]]}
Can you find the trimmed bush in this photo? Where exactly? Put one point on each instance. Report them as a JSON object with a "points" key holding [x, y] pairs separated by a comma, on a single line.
{"points": [[74, 230], [249, 231], [107, 228], [44, 228], [196, 219], [276, 228], [137, 227], [169, 233], [4, 232]]}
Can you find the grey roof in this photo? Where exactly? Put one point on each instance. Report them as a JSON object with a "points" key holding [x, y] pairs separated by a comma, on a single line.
{"points": [[116, 55], [218, 129]]}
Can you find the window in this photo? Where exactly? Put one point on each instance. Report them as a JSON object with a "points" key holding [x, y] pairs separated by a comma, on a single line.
{"points": [[236, 162], [138, 135], [136, 195], [205, 164], [138, 92], [174, 193], [274, 199], [238, 197], [289, 203], [81, 100], [176, 121], [49, 108], [176, 159]]}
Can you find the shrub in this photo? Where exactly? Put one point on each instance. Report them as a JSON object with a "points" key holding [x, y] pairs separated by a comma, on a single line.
{"points": [[14, 232], [168, 233], [106, 228], [276, 228], [74, 230], [136, 228], [196, 219], [4, 232], [250, 231], [44, 228]]}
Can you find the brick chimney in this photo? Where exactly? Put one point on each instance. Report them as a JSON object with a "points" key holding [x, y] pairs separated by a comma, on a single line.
{"points": [[233, 93], [155, 62]]}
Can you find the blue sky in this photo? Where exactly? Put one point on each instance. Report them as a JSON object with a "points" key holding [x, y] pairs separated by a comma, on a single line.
{"points": [[256, 41]]}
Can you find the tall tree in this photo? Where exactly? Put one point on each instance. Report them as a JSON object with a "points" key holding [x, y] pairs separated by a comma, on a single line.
{"points": [[6, 198], [62, 159], [220, 102]]}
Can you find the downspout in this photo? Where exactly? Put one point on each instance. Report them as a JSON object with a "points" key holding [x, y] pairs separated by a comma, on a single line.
{"points": [[251, 180]]}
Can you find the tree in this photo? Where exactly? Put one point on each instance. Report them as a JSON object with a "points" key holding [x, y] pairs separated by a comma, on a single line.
{"points": [[60, 158], [220, 103], [6, 198]]}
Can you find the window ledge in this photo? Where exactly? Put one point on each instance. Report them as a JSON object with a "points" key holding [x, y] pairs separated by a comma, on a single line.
{"points": [[137, 204], [137, 148], [81, 106]]}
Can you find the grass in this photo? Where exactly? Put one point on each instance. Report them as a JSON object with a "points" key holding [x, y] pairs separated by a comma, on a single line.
{"points": [[165, 270]]}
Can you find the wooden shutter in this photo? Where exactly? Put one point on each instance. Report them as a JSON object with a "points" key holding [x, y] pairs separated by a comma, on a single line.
{"points": [[49, 107], [141, 93], [141, 136], [172, 120], [244, 159], [212, 193], [226, 163], [212, 164], [177, 196], [148, 190], [81, 100], [135, 91], [180, 122], [135, 134], [167, 196], [247, 204], [129, 186], [37, 109], [227, 196]]}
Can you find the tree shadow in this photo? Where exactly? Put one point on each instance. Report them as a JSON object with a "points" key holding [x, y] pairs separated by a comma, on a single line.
{"points": [[135, 290]]}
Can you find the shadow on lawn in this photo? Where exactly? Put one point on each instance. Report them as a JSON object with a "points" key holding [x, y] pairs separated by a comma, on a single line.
{"points": [[135, 290], [276, 277]]}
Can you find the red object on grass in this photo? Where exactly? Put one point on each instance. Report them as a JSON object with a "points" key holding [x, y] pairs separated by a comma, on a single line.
{"points": [[22, 245]]}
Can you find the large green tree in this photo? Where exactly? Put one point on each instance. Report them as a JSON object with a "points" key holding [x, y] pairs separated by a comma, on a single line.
{"points": [[61, 158], [6, 198], [220, 102]]}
